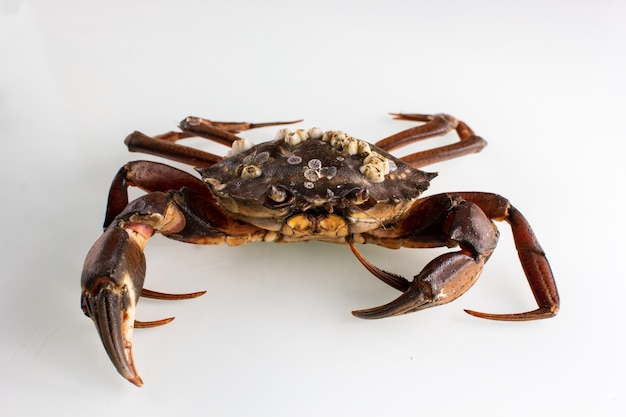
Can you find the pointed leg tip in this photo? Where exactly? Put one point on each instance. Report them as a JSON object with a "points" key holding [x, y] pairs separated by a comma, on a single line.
{"points": [[371, 313], [477, 314], [148, 324], [397, 116], [538, 314], [157, 295], [266, 124], [416, 117], [358, 314], [366, 313]]}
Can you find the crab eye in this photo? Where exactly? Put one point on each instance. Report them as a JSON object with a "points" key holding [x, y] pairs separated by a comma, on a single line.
{"points": [[361, 197], [278, 196]]}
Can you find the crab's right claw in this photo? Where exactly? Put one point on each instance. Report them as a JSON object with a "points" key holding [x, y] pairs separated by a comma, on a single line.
{"points": [[112, 281]]}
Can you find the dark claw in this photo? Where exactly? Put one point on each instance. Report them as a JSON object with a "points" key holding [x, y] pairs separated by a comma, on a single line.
{"points": [[112, 310], [417, 297], [112, 283], [112, 279], [443, 280]]}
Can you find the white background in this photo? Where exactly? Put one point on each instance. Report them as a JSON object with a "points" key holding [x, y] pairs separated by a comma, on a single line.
{"points": [[541, 81]]}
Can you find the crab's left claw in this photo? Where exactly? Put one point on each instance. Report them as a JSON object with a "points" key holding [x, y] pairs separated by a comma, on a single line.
{"points": [[112, 282]]}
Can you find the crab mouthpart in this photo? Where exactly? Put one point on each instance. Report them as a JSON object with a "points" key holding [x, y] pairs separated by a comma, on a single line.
{"points": [[112, 309]]}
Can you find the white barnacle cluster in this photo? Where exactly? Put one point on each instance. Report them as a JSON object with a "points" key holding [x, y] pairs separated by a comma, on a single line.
{"points": [[374, 166], [342, 142], [239, 146], [298, 136]]}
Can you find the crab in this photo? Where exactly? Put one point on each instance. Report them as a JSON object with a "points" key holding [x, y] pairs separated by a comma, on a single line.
{"points": [[306, 184]]}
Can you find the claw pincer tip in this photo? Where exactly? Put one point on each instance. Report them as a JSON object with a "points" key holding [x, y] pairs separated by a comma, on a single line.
{"points": [[114, 269]]}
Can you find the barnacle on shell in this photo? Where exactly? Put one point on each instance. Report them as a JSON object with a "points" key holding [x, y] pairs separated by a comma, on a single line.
{"points": [[294, 138], [294, 159], [314, 164], [377, 160], [372, 173], [250, 171], [239, 146], [316, 133], [342, 142]]}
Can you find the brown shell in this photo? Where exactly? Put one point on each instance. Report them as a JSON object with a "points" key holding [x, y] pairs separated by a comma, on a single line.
{"points": [[277, 179]]}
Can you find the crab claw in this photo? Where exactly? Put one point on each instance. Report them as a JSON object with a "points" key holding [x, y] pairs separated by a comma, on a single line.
{"points": [[112, 282]]}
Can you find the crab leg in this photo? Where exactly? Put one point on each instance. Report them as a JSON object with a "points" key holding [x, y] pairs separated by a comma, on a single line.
{"points": [[393, 280], [115, 267], [114, 272], [466, 223], [435, 125], [531, 256], [214, 130], [148, 176], [156, 295], [164, 145]]}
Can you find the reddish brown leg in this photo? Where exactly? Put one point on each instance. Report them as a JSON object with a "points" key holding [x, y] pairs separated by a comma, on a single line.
{"points": [[149, 176], [462, 219], [164, 145], [214, 130], [440, 220], [114, 272], [435, 125], [531, 256], [115, 267]]}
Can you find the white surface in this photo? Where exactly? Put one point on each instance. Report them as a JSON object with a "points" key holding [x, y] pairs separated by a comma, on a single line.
{"points": [[542, 81]]}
